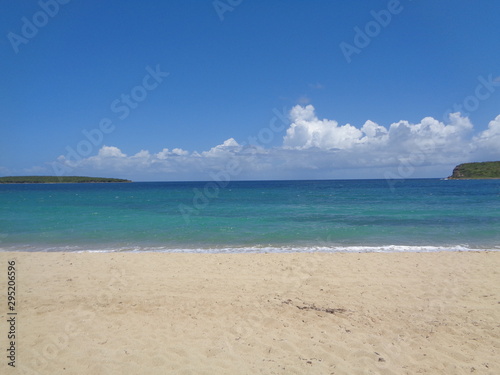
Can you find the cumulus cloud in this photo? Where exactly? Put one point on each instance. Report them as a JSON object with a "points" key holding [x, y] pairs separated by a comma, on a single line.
{"points": [[487, 142], [165, 153], [143, 154], [307, 131], [110, 152], [229, 147], [315, 148]]}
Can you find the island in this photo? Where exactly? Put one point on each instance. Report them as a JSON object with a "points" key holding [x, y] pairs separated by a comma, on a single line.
{"points": [[484, 170], [56, 179]]}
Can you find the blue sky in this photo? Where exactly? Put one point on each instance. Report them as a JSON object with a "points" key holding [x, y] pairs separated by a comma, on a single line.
{"points": [[279, 89]]}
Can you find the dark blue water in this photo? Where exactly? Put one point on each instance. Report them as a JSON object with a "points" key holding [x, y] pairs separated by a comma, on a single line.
{"points": [[350, 215]]}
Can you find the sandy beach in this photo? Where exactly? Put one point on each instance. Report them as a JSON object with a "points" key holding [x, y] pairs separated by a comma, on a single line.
{"points": [[295, 313]]}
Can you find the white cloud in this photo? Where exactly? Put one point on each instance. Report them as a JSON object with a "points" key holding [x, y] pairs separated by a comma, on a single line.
{"points": [[373, 130], [308, 131], [376, 145], [165, 153], [314, 148], [230, 146], [111, 152], [487, 142], [179, 152], [143, 154]]}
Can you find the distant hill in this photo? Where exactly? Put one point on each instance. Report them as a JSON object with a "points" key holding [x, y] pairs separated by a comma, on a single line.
{"points": [[56, 179], [489, 169]]}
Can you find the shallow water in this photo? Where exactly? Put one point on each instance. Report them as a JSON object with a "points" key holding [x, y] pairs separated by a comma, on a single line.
{"points": [[341, 215]]}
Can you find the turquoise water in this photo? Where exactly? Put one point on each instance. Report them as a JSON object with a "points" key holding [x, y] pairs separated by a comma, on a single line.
{"points": [[349, 215]]}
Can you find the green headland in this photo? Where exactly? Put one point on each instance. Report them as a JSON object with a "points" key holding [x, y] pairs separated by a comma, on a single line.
{"points": [[488, 169], [56, 179]]}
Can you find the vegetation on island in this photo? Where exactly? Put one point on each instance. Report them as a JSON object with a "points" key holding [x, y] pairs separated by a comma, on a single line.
{"points": [[56, 179], [489, 169]]}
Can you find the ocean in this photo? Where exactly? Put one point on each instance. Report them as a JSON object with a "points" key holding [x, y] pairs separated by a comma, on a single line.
{"points": [[252, 216]]}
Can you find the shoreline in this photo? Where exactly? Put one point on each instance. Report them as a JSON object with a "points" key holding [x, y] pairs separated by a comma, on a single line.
{"points": [[352, 249], [267, 313], [472, 178]]}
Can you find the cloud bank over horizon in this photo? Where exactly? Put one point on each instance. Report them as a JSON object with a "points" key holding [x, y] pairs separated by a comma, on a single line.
{"points": [[311, 148]]}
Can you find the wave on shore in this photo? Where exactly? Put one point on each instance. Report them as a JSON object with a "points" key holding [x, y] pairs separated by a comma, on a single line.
{"points": [[254, 249]]}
